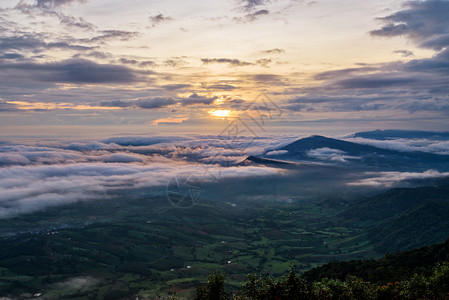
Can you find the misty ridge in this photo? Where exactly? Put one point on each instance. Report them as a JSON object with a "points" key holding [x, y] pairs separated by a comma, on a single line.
{"points": [[38, 176]]}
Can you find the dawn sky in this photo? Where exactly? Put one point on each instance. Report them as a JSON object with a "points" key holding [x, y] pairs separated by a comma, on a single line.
{"points": [[105, 67]]}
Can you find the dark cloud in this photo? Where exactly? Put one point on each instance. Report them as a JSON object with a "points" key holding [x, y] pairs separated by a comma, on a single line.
{"points": [[64, 45], [151, 103], [147, 103], [253, 16], [126, 61], [11, 56], [158, 18], [107, 35], [197, 99], [425, 22], [274, 51], [377, 81], [71, 71], [264, 62], [147, 63], [23, 42], [116, 103], [175, 62], [229, 61], [249, 5], [36, 43], [134, 62], [94, 54], [404, 52], [46, 4], [438, 64], [71, 21], [52, 8]]}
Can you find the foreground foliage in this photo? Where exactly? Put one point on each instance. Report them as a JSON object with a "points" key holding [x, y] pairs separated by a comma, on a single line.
{"points": [[293, 287]]}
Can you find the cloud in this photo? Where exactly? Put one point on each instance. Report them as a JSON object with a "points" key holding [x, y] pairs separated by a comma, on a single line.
{"points": [[36, 43], [152, 103], [158, 18], [424, 22], [71, 71], [7, 107], [377, 81], [274, 51], [264, 62], [91, 146], [94, 54], [175, 62], [229, 61], [223, 87], [276, 152], [407, 145], [145, 63], [12, 56], [404, 53], [107, 35], [53, 8], [34, 178], [235, 62], [390, 179], [71, 21], [147, 103], [142, 140], [329, 75], [13, 159], [46, 4], [253, 16], [197, 99], [121, 158], [37, 177], [169, 121], [116, 103], [329, 154], [249, 5], [414, 86]]}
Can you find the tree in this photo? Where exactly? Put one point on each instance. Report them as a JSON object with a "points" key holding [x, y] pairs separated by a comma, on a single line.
{"points": [[214, 289]]}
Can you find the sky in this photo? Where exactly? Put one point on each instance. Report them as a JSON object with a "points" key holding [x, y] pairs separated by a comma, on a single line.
{"points": [[85, 68]]}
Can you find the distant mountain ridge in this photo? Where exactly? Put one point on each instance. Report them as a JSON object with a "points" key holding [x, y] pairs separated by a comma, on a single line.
{"points": [[318, 141], [320, 149], [407, 134]]}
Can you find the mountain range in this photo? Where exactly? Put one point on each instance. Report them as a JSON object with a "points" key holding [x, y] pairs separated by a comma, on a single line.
{"points": [[324, 150]]}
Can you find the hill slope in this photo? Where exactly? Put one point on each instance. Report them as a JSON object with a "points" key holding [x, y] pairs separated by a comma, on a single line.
{"points": [[387, 269], [373, 209], [423, 225]]}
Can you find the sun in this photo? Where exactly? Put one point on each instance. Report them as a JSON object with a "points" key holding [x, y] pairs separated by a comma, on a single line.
{"points": [[220, 113]]}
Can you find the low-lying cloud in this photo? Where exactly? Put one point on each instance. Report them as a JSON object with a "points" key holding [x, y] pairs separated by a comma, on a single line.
{"points": [[34, 178], [391, 179], [329, 154]]}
